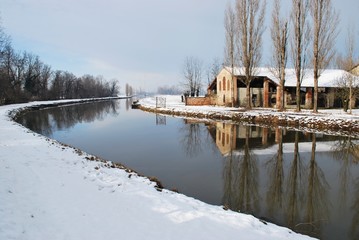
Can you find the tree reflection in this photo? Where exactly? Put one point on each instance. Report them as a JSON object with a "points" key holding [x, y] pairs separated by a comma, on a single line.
{"points": [[240, 179], [354, 228], [128, 103], [46, 121], [346, 150], [276, 178], [317, 210], [191, 140], [295, 187]]}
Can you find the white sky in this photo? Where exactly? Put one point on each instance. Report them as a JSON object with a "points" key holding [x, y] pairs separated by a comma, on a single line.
{"points": [[140, 42]]}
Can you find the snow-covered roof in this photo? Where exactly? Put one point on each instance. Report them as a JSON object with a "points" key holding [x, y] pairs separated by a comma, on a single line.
{"points": [[328, 78]]}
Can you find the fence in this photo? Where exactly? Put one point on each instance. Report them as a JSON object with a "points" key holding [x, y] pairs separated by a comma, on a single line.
{"points": [[160, 102]]}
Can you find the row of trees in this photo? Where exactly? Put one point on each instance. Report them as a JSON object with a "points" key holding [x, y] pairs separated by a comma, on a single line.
{"points": [[291, 35], [128, 90], [24, 77]]}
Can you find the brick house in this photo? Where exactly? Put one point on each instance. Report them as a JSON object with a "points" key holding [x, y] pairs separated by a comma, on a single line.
{"points": [[355, 70], [264, 88]]}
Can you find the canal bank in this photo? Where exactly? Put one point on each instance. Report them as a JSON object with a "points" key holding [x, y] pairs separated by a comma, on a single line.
{"points": [[329, 121]]}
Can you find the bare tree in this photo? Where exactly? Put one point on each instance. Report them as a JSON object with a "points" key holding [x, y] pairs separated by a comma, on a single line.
{"points": [[325, 21], [299, 42], [348, 61], [229, 50], [192, 72], [129, 90], [250, 23], [45, 77], [4, 80], [32, 74], [348, 84], [4, 40], [213, 69], [279, 34], [114, 88]]}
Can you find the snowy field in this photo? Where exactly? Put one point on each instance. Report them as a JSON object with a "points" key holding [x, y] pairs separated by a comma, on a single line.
{"points": [[50, 191]]}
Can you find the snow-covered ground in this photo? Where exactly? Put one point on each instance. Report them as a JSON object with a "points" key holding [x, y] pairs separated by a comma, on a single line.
{"points": [[51, 191]]}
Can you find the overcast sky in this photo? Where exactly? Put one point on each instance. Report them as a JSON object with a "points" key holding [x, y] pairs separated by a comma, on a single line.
{"points": [[140, 42]]}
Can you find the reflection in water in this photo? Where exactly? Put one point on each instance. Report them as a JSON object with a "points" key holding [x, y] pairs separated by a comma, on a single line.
{"points": [[60, 118], [354, 228], [296, 188], [346, 151], [276, 178], [317, 201], [240, 171], [191, 139], [128, 103], [161, 119]]}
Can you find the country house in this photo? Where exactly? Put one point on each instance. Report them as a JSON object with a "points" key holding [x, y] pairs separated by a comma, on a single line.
{"points": [[355, 70], [224, 90]]}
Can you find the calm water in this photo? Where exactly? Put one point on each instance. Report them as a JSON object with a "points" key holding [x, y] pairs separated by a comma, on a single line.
{"points": [[307, 182]]}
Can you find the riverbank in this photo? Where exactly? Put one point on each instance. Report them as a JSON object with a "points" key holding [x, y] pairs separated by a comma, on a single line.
{"points": [[329, 121], [52, 191]]}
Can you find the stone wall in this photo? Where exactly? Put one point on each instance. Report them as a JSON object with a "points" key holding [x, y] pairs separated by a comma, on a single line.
{"points": [[199, 101]]}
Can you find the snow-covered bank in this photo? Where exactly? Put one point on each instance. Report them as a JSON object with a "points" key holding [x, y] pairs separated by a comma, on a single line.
{"points": [[50, 191], [330, 121]]}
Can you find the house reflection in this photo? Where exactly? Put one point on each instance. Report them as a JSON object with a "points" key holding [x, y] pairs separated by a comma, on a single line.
{"points": [[275, 174], [232, 137]]}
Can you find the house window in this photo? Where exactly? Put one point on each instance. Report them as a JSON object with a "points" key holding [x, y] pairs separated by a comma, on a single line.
{"points": [[228, 85], [219, 84], [224, 83], [223, 139]]}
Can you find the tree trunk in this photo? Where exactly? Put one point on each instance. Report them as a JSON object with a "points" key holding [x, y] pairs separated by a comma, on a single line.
{"points": [[248, 97], [298, 100], [315, 95]]}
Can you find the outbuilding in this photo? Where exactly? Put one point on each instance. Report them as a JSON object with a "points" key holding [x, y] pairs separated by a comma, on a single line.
{"points": [[229, 88]]}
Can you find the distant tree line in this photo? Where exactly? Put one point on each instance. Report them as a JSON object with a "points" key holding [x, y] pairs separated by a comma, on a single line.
{"points": [[129, 90], [169, 90], [24, 77]]}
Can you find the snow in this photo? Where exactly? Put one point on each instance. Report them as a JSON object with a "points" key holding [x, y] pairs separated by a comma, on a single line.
{"points": [[52, 191]]}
